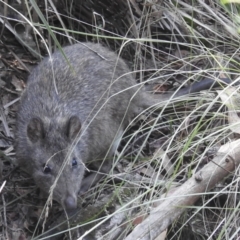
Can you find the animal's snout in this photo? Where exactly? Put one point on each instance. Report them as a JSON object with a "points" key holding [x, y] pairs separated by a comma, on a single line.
{"points": [[70, 202]]}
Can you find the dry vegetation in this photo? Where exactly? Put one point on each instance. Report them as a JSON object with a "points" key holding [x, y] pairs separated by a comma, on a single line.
{"points": [[167, 169]]}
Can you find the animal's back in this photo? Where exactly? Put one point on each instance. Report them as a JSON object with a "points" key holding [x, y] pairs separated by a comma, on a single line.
{"points": [[82, 81]]}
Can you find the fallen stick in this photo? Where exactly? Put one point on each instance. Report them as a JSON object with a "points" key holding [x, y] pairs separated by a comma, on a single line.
{"points": [[226, 161]]}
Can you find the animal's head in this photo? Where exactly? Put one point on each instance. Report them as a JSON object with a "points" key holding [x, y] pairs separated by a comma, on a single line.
{"points": [[47, 150]]}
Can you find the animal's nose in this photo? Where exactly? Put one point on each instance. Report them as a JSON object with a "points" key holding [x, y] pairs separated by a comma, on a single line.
{"points": [[70, 202]]}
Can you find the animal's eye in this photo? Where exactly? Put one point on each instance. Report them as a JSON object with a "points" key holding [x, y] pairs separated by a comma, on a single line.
{"points": [[74, 162], [46, 169]]}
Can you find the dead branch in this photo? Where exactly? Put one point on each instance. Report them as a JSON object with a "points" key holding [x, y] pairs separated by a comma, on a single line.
{"points": [[226, 161]]}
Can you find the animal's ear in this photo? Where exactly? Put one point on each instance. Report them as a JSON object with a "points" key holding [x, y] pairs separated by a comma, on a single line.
{"points": [[73, 127], [35, 130]]}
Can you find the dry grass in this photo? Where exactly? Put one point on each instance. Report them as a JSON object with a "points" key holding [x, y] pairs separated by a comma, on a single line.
{"points": [[166, 43]]}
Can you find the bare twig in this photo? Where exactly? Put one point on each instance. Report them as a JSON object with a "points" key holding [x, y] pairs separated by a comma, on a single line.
{"points": [[228, 159]]}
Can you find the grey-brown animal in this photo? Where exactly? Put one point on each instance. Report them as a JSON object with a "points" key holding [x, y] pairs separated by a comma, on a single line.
{"points": [[73, 113]]}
